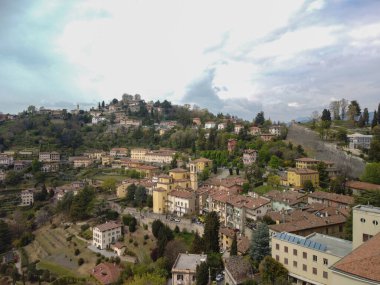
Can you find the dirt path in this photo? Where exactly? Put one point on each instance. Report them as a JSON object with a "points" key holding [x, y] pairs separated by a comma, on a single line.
{"points": [[310, 140]]}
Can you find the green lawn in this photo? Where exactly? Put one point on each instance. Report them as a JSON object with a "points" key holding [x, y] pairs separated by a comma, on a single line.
{"points": [[263, 189], [187, 238]]}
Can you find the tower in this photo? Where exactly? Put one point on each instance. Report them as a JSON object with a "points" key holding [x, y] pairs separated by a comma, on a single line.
{"points": [[193, 176]]}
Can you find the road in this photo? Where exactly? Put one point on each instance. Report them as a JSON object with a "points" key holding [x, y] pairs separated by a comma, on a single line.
{"points": [[148, 218]]}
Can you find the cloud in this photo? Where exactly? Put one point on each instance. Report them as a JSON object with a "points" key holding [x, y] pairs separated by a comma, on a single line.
{"points": [[232, 58]]}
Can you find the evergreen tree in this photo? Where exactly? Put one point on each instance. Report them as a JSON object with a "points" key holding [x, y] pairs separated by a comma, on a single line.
{"points": [[378, 114], [366, 116], [5, 237], [260, 243], [374, 120], [197, 245], [156, 226], [323, 175], [131, 192], [211, 232], [202, 274], [308, 186], [260, 119], [233, 250]]}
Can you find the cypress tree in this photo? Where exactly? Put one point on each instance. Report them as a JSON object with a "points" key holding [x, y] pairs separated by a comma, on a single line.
{"points": [[233, 250], [374, 120], [211, 233], [260, 243]]}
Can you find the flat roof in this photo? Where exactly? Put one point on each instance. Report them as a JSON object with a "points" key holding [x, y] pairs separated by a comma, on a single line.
{"points": [[187, 261], [319, 242], [368, 208]]}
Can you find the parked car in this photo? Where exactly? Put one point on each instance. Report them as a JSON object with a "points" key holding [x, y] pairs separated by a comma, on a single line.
{"points": [[219, 277], [177, 220]]}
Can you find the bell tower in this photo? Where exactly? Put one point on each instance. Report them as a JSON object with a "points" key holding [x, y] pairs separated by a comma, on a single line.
{"points": [[194, 176]]}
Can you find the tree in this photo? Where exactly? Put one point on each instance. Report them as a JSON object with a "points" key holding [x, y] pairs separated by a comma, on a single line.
{"points": [[371, 173], [374, 150], [378, 114], [131, 191], [197, 244], [147, 278], [233, 250], [5, 237], [211, 232], [323, 175], [366, 116], [353, 110], [140, 196], [260, 119], [260, 243], [132, 225], [374, 120], [275, 162], [173, 248], [202, 274], [308, 186], [343, 108], [13, 178], [335, 109], [156, 226], [337, 185], [271, 270], [82, 204], [274, 180], [109, 184]]}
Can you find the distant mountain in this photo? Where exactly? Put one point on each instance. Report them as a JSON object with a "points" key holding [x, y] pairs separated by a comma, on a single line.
{"points": [[302, 119]]}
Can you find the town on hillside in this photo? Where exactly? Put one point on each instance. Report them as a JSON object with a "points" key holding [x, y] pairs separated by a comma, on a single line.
{"points": [[137, 192]]}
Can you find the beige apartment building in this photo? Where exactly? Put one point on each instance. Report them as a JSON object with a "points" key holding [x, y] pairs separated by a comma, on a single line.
{"points": [[181, 202], [366, 222], [106, 234], [185, 267], [308, 259]]}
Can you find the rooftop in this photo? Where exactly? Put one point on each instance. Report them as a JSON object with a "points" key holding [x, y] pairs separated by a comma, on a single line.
{"points": [[362, 185], [319, 242], [182, 194], [239, 268], [108, 226], [344, 199], [106, 273], [187, 261], [367, 208], [363, 262]]}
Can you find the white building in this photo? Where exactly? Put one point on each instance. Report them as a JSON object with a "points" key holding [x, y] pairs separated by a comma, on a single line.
{"points": [[49, 156], [181, 202], [27, 197], [359, 141], [185, 267], [275, 130], [106, 234], [97, 120], [238, 128], [2, 175], [210, 125], [222, 126], [6, 160]]}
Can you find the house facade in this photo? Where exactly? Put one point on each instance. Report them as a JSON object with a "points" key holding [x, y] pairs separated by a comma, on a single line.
{"points": [[106, 234]]}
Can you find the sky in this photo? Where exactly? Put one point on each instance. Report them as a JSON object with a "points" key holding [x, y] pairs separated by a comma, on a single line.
{"points": [[287, 58]]}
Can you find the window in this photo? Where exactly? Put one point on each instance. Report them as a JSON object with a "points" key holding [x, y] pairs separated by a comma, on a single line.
{"points": [[362, 220], [179, 277], [295, 252], [295, 263], [304, 267], [340, 228], [194, 278], [315, 258], [277, 246], [325, 261], [325, 275], [366, 237], [314, 271], [286, 249], [304, 255], [375, 222], [277, 258], [285, 260]]}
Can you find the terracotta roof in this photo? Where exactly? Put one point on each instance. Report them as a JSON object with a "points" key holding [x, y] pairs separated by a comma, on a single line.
{"points": [[181, 194], [239, 268], [358, 185], [343, 199], [247, 202], [106, 273], [310, 223], [243, 244], [159, 189], [108, 226], [287, 197], [229, 232], [363, 262]]}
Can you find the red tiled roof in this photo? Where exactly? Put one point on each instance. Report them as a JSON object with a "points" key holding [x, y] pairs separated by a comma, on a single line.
{"points": [[343, 199], [106, 273], [358, 185], [108, 226], [364, 261], [181, 194]]}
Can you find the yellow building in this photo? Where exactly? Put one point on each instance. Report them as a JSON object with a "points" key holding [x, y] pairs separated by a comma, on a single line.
{"points": [[160, 197], [202, 163], [308, 259], [138, 153], [297, 177], [107, 160], [306, 162]]}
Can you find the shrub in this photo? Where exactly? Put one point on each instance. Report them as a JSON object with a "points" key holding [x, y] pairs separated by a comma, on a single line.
{"points": [[145, 227], [53, 226], [184, 230], [80, 261], [98, 261], [176, 229], [135, 244], [130, 240], [77, 252], [84, 227], [146, 237]]}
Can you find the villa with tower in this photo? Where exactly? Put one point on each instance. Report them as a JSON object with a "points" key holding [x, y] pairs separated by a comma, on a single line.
{"points": [[175, 193]]}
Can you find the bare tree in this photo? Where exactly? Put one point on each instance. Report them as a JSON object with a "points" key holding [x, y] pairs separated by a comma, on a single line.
{"points": [[343, 108], [335, 109]]}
